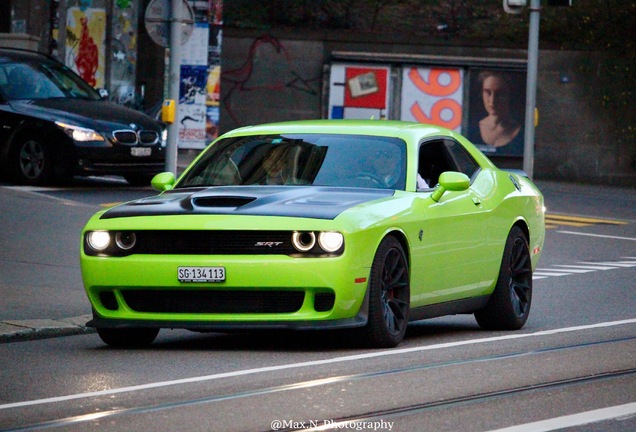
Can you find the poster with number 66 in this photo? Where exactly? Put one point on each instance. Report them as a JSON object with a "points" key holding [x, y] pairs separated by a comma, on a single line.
{"points": [[433, 95]]}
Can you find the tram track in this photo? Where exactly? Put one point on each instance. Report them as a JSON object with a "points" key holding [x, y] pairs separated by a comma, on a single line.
{"points": [[384, 415], [371, 415]]}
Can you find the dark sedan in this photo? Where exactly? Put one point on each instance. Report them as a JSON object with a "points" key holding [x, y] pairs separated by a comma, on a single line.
{"points": [[53, 125]]}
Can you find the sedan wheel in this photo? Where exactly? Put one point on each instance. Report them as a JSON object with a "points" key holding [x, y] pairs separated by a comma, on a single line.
{"points": [[33, 163], [128, 338], [509, 304], [389, 296]]}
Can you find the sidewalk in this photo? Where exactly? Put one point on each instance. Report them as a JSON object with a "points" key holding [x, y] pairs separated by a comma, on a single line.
{"points": [[26, 330], [33, 329]]}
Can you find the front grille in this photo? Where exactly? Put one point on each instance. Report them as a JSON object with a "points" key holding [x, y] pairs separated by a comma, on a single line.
{"points": [[130, 137], [214, 243], [148, 137], [214, 301]]}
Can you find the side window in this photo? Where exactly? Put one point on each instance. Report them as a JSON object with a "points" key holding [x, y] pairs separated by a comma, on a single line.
{"points": [[434, 159], [462, 159]]}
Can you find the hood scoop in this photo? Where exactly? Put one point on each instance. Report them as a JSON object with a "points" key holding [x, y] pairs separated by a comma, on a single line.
{"points": [[221, 201]]}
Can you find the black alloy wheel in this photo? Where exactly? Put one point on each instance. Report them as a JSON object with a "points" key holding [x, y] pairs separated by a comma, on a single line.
{"points": [[389, 296], [509, 304]]}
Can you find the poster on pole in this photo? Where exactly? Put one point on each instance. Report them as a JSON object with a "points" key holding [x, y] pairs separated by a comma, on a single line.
{"points": [[192, 89]]}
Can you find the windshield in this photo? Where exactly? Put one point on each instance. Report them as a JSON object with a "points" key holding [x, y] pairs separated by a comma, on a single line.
{"points": [[308, 159], [42, 81]]}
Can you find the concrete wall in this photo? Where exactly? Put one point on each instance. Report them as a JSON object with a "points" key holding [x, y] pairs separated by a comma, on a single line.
{"points": [[21, 41], [281, 77], [577, 135]]}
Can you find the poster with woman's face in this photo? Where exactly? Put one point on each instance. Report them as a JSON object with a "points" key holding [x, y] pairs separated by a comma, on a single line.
{"points": [[496, 117]]}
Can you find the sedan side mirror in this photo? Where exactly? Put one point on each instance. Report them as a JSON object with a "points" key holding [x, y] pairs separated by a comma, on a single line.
{"points": [[451, 181], [163, 181]]}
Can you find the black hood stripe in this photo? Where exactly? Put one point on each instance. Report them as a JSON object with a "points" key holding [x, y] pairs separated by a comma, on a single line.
{"points": [[292, 201]]}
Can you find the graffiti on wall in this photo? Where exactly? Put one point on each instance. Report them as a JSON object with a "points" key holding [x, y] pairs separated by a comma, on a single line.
{"points": [[85, 43], [268, 67]]}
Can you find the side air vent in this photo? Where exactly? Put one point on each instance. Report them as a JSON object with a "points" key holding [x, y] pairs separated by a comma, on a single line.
{"points": [[221, 201]]}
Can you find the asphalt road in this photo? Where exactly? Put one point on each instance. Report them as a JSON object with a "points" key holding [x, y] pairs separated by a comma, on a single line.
{"points": [[572, 367]]}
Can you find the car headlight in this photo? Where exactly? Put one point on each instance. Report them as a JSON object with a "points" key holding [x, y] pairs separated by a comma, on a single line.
{"points": [[98, 240], [303, 241], [109, 243], [318, 243], [125, 240], [80, 134], [330, 241]]}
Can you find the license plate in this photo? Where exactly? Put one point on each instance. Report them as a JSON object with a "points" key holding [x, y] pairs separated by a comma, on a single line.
{"points": [[201, 274], [140, 151]]}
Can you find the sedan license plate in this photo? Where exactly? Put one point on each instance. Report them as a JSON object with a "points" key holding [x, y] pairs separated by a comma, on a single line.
{"points": [[201, 274], [140, 151]]}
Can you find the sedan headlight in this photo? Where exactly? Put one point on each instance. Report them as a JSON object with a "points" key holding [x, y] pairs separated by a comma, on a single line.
{"points": [[80, 134], [164, 137]]}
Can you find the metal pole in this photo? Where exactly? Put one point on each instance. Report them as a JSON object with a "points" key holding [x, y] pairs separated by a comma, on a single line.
{"points": [[531, 87], [173, 83]]}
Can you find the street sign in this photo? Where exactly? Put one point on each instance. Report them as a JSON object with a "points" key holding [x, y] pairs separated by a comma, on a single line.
{"points": [[514, 6], [158, 18]]}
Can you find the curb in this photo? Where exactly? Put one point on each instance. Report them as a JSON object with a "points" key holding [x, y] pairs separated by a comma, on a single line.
{"points": [[28, 330]]}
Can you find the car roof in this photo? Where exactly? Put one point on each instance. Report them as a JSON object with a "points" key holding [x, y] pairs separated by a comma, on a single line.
{"points": [[11, 55], [354, 127]]}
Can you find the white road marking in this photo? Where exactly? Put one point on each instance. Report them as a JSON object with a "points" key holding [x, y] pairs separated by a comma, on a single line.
{"points": [[549, 274], [356, 357], [581, 267], [579, 419], [613, 263], [574, 269], [597, 235], [595, 267]]}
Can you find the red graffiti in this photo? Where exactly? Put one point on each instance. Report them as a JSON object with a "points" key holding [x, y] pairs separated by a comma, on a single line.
{"points": [[245, 78], [87, 57]]}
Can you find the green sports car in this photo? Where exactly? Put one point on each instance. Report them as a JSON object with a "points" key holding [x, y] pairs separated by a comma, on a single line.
{"points": [[324, 224]]}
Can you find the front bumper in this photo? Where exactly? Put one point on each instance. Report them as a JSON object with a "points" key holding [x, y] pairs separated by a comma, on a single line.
{"points": [[118, 160], [259, 292]]}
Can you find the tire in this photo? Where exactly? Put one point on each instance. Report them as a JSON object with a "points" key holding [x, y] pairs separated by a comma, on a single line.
{"points": [[128, 337], [389, 296], [509, 305], [32, 161]]}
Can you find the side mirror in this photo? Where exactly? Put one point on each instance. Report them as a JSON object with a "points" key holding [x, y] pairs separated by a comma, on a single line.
{"points": [[163, 181], [450, 181]]}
